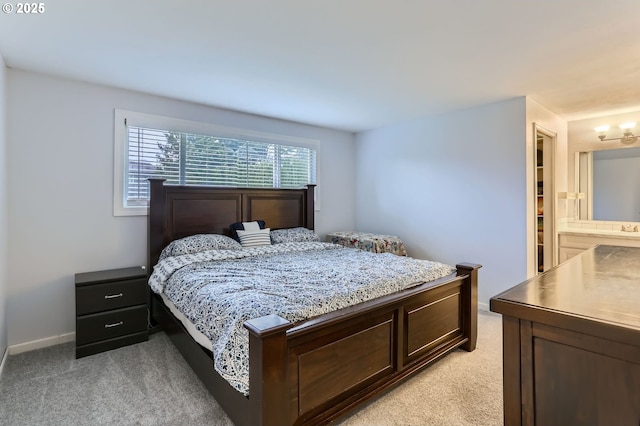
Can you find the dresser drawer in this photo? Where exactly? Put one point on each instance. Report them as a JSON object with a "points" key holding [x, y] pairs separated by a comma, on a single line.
{"points": [[113, 295], [107, 325]]}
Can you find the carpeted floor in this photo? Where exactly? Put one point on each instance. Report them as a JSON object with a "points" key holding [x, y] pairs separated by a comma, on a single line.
{"points": [[151, 384]]}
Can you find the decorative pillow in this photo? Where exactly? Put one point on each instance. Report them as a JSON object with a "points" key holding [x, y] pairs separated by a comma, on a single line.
{"points": [[198, 243], [234, 227], [293, 235], [256, 238]]}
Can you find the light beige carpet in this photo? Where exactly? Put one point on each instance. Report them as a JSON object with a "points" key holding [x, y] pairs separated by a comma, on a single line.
{"points": [[150, 384], [464, 388]]}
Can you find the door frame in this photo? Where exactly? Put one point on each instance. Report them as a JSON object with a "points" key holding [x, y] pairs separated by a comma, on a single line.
{"points": [[549, 202]]}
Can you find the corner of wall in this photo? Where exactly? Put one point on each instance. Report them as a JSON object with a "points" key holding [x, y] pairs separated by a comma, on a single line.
{"points": [[3, 360], [3, 212]]}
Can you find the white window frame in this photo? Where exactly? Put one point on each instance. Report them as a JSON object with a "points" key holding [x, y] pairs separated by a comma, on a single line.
{"points": [[132, 118]]}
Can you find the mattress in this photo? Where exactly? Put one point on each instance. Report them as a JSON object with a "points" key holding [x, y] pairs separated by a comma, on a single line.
{"points": [[200, 338]]}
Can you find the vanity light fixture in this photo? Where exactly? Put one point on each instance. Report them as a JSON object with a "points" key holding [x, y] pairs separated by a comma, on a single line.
{"points": [[627, 133]]}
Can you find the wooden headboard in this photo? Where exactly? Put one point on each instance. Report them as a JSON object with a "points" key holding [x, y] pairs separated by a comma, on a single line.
{"points": [[177, 211]]}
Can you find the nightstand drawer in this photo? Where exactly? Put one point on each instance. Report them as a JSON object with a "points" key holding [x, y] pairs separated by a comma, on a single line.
{"points": [[107, 325], [103, 297]]}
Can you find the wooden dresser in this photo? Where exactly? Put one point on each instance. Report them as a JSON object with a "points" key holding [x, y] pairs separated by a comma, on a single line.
{"points": [[571, 342], [111, 309]]}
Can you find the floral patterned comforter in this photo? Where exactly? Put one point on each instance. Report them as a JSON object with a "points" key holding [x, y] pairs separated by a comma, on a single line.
{"points": [[218, 290]]}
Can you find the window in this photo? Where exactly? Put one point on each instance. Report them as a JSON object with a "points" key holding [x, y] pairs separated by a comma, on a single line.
{"points": [[189, 153]]}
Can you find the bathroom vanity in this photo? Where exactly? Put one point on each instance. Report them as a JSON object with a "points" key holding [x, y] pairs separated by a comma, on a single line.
{"points": [[576, 237]]}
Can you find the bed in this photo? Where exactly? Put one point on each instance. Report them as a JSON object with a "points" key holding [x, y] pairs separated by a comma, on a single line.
{"points": [[316, 370]]}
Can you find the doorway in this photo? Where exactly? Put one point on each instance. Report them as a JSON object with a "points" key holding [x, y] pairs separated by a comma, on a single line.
{"points": [[544, 199]]}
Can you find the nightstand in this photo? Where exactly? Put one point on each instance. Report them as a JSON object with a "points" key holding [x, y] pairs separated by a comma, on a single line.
{"points": [[111, 309]]}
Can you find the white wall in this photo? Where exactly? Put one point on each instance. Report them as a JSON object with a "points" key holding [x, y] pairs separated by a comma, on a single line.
{"points": [[3, 210], [60, 152], [452, 187]]}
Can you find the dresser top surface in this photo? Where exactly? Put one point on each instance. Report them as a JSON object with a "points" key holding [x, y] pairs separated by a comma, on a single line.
{"points": [[601, 284]]}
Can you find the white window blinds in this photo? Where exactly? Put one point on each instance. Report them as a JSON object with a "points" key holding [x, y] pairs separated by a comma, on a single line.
{"points": [[196, 159]]}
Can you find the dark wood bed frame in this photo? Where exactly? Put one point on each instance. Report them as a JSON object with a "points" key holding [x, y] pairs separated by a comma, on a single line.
{"points": [[316, 371]]}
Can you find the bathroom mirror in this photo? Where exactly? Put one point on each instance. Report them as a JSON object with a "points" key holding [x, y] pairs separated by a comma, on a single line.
{"points": [[610, 180]]}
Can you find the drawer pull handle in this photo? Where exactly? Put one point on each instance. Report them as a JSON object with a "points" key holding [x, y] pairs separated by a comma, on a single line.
{"points": [[115, 324], [113, 296]]}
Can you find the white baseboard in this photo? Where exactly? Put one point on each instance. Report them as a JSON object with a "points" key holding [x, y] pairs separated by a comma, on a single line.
{"points": [[41, 343], [4, 359], [484, 306]]}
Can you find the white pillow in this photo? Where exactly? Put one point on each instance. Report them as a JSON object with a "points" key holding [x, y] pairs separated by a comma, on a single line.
{"points": [[260, 237], [251, 226]]}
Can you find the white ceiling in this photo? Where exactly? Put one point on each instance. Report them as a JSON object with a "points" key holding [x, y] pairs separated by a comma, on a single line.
{"points": [[345, 64]]}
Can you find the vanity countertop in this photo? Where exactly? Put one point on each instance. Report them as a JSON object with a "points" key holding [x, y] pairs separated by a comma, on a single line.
{"points": [[599, 232]]}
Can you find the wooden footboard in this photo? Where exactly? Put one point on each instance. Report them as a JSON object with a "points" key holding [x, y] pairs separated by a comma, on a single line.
{"points": [[316, 371]]}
